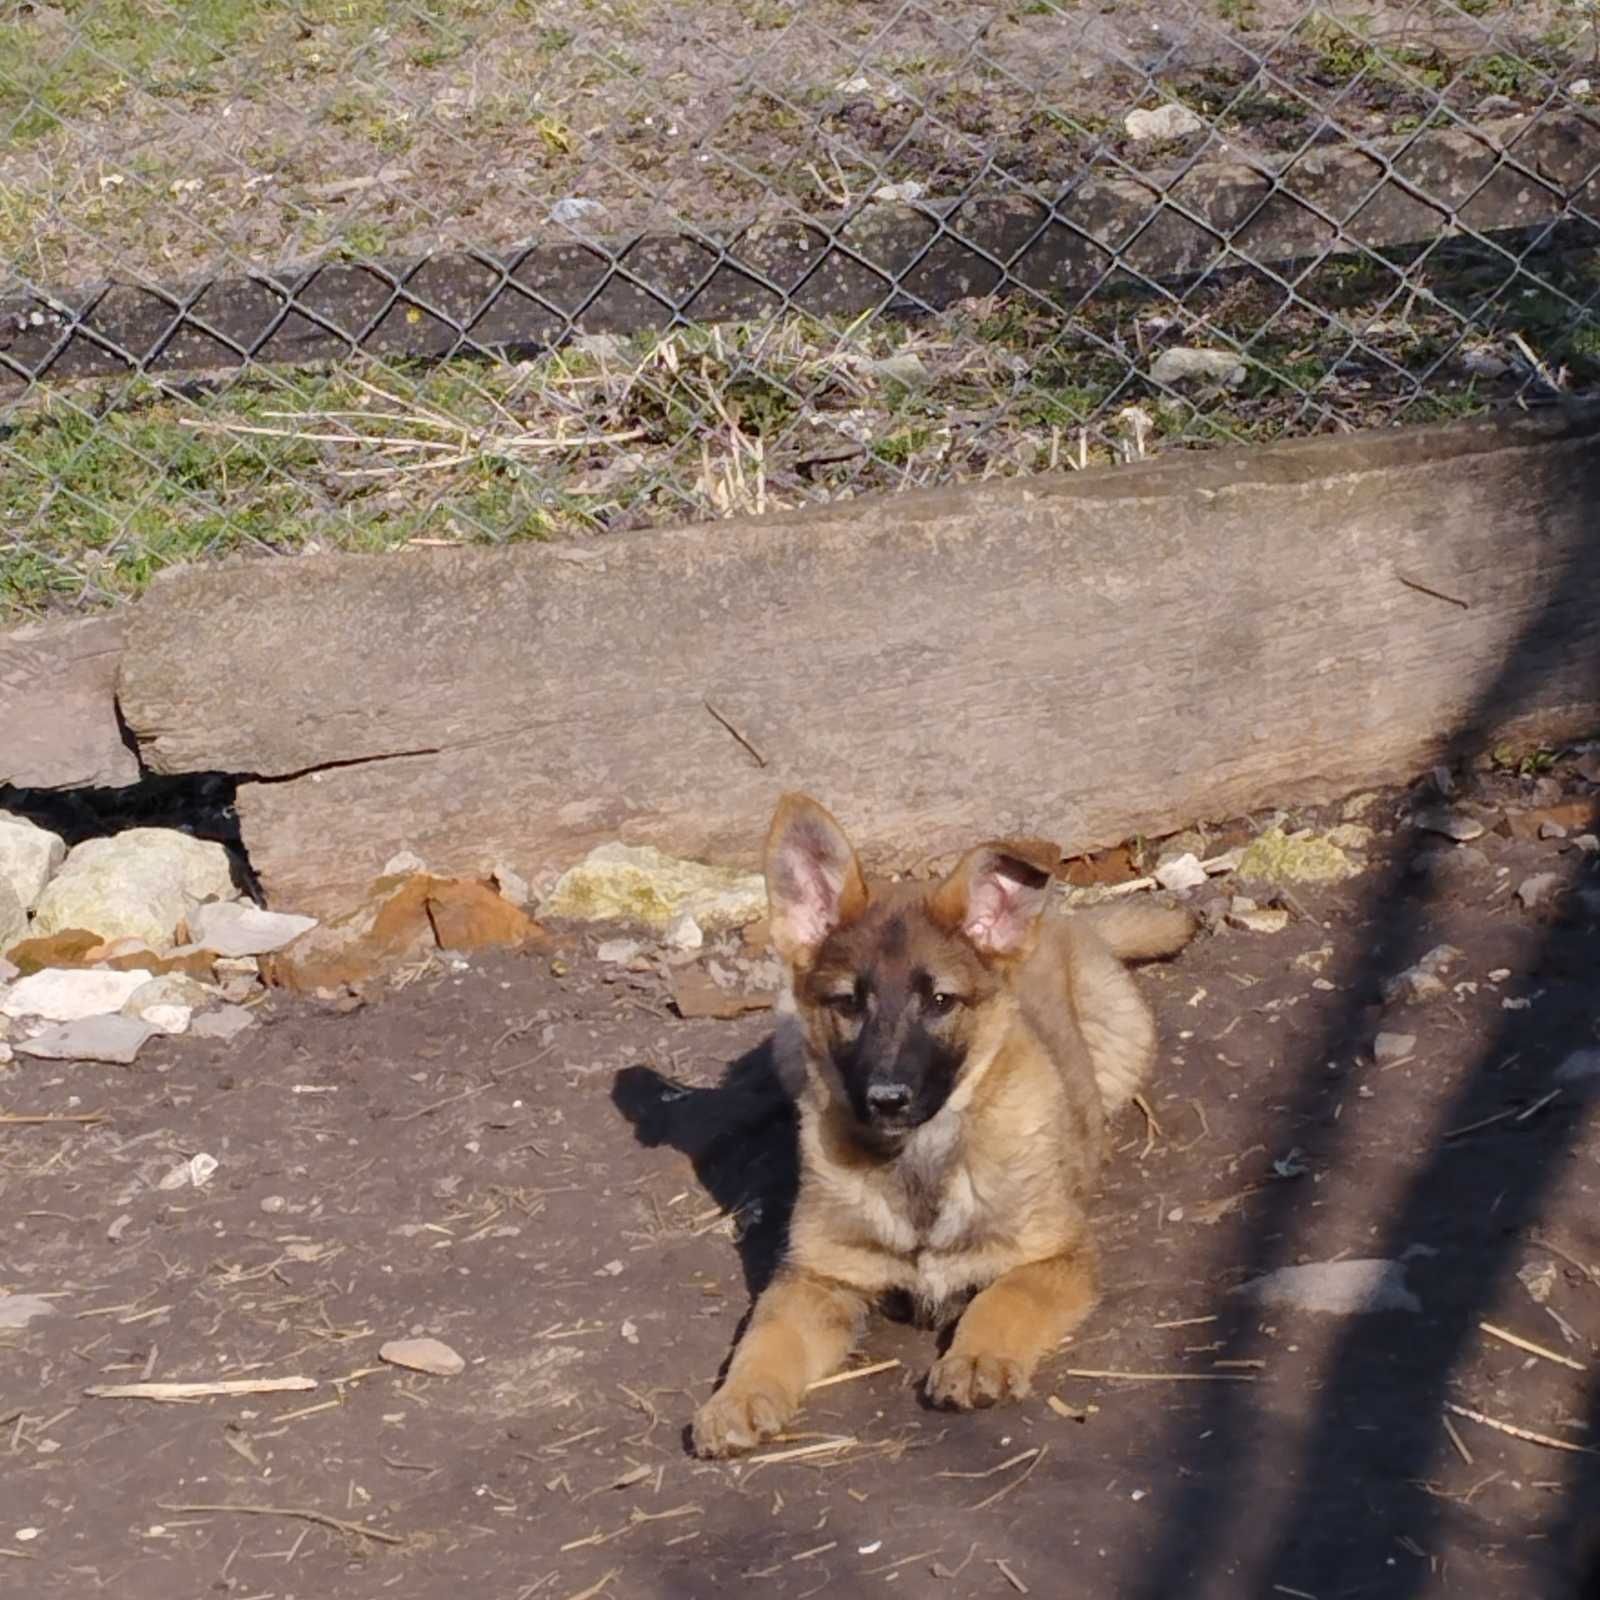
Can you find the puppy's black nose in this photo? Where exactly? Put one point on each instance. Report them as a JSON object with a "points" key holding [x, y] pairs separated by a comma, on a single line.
{"points": [[888, 1099]]}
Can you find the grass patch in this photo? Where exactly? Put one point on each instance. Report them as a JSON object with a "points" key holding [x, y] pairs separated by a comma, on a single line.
{"points": [[103, 486]]}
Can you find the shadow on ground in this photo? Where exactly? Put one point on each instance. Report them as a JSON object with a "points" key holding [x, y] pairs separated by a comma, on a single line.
{"points": [[1380, 1414]]}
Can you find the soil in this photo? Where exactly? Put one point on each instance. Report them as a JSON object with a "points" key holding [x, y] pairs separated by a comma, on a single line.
{"points": [[372, 132], [537, 1161]]}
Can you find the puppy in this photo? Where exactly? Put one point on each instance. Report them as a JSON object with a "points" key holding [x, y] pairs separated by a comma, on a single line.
{"points": [[955, 1053]]}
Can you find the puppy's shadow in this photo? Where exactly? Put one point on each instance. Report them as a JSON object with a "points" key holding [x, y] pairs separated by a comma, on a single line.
{"points": [[741, 1137]]}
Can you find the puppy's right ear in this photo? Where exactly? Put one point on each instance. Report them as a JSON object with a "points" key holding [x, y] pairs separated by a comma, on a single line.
{"points": [[814, 881]]}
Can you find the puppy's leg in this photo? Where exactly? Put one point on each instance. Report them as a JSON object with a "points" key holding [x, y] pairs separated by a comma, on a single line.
{"points": [[801, 1329], [1018, 1319]]}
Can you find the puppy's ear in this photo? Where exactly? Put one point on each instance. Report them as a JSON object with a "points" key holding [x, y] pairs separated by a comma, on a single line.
{"points": [[995, 894], [814, 881]]}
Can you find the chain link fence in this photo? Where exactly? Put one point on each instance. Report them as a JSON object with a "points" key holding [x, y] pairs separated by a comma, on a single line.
{"points": [[355, 274]]}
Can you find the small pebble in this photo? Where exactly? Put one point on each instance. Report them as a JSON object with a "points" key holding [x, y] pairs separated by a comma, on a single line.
{"points": [[422, 1355]]}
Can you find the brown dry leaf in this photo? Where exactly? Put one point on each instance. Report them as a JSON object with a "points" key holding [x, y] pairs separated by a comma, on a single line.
{"points": [[1103, 867], [69, 948], [1573, 815], [469, 915]]}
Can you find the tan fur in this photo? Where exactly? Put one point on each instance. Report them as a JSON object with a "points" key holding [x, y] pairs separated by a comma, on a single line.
{"points": [[985, 1198]]}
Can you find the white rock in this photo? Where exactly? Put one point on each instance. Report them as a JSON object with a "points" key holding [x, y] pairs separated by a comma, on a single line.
{"points": [[1337, 1288], [617, 952], [1388, 1048], [684, 933], [169, 989], [575, 208], [1538, 1278], [64, 994], [231, 928], [1170, 121], [28, 856], [223, 1023], [403, 863], [1182, 364], [1580, 88], [1580, 1066], [7, 1055], [197, 1171], [9, 970], [900, 193], [138, 884], [1184, 872], [13, 916], [1266, 919], [169, 1018], [115, 1039], [1424, 981], [422, 1355], [18, 1310]]}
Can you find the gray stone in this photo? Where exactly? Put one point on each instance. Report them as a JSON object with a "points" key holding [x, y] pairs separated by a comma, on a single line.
{"points": [[1389, 1048], [1425, 980], [1181, 364], [168, 1002], [684, 933], [1552, 830], [137, 884], [1336, 1288], [225, 1022], [1450, 822], [13, 917], [1534, 891], [114, 1039], [1170, 121], [64, 994], [512, 885], [422, 1355], [28, 855], [1579, 1067], [1263, 919], [231, 928]]}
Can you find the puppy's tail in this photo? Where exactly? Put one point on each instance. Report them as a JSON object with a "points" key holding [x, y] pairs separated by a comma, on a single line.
{"points": [[1134, 932]]}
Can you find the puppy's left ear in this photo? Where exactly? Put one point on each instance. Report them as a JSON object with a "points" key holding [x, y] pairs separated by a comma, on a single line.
{"points": [[995, 894]]}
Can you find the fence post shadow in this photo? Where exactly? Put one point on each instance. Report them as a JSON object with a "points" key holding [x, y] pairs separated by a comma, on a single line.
{"points": [[1350, 1504]]}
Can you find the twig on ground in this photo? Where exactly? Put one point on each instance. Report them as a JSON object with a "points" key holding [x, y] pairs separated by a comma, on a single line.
{"points": [[1516, 1339], [302, 1513], [1515, 1432], [1165, 1377], [198, 1391], [853, 1373]]}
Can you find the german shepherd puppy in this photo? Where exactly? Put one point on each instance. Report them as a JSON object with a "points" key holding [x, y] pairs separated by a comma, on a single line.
{"points": [[955, 1053]]}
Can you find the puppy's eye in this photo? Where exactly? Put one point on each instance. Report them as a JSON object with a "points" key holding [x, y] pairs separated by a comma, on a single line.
{"points": [[943, 1002], [846, 1003]]}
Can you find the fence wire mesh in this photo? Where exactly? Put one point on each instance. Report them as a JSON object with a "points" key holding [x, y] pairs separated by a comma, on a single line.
{"points": [[359, 274]]}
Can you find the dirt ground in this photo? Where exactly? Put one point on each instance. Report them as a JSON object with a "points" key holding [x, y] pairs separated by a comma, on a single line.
{"points": [[138, 140], [537, 1161]]}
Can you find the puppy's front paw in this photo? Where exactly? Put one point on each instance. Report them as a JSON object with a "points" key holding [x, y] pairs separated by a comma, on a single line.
{"points": [[737, 1418], [966, 1382]]}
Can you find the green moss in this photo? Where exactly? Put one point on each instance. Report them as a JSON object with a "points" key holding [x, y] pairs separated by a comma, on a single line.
{"points": [[1280, 859]]}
